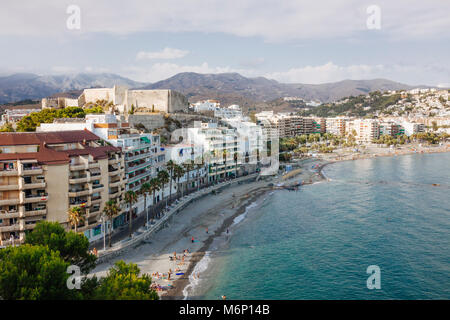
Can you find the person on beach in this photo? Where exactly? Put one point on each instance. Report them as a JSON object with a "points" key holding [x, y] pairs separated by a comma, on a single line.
{"points": [[192, 239], [206, 230], [228, 231]]}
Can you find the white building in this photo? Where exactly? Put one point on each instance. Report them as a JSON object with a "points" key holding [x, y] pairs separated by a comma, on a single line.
{"points": [[221, 149], [367, 130], [206, 105], [143, 154], [233, 111], [413, 127]]}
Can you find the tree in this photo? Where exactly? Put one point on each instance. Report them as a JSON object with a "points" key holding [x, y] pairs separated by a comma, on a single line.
{"points": [[72, 247], [7, 127], [130, 198], [163, 178], [224, 156], [76, 216], [178, 174], [155, 185], [171, 168], [110, 210], [33, 273], [145, 190], [188, 166], [123, 282]]}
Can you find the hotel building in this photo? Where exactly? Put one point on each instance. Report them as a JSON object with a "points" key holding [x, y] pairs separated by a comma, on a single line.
{"points": [[43, 175]]}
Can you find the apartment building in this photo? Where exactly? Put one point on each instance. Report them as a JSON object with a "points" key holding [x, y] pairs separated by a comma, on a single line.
{"points": [[182, 154], [233, 111], [367, 130], [221, 149], [391, 129], [336, 126], [413, 127], [143, 154], [43, 175], [253, 142]]}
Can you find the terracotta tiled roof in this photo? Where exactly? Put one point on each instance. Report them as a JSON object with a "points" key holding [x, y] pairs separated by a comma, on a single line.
{"points": [[24, 138], [47, 155]]}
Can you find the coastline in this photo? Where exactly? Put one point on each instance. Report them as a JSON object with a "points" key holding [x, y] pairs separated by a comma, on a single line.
{"points": [[217, 213]]}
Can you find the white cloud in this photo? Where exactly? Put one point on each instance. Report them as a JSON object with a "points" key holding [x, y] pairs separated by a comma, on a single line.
{"points": [[270, 19], [331, 72], [161, 71], [328, 72], [166, 53]]}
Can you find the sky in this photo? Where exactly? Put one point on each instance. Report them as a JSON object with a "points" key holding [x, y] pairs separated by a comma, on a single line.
{"points": [[291, 41]]}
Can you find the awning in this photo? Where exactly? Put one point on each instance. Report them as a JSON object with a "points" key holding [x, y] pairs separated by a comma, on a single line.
{"points": [[145, 139], [95, 170]]}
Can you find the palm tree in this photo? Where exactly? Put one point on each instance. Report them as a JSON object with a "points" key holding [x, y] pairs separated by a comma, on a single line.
{"points": [[155, 185], [130, 198], [163, 178], [110, 210], [145, 190], [171, 168], [76, 215], [224, 155], [188, 166], [178, 174]]}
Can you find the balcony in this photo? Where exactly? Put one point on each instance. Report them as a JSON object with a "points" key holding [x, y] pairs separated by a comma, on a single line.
{"points": [[9, 214], [14, 227], [13, 201], [78, 166], [36, 212], [9, 187], [138, 177], [9, 173], [28, 171], [97, 188], [10, 242], [78, 192], [37, 185], [113, 161], [96, 200], [79, 179], [35, 198], [115, 183], [92, 165], [139, 166]]}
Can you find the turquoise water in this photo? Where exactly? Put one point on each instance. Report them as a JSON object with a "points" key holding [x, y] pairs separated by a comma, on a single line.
{"points": [[318, 242]]}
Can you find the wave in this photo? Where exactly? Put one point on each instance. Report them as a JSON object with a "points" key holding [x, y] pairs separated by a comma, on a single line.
{"points": [[200, 267], [241, 217]]}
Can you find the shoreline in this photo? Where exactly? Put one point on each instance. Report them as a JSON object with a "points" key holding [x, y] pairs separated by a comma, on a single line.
{"points": [[181, 283], [216, 213]]}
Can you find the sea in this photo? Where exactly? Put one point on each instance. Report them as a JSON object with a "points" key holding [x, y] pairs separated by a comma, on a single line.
{"points": [[376, 229]]}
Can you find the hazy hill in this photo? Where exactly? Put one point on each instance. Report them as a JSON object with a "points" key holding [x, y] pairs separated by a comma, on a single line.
{"points": [[31, 86], [229, 88]]}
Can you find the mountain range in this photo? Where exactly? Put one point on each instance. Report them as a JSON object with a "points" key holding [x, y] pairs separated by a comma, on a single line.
{"points": [[228, 88]]}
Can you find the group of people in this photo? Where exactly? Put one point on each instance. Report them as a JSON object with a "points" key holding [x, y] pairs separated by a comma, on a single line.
{"points": [[94, 252]]}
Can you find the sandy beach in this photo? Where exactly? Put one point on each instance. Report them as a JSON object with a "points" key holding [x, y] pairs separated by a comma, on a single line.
{"points": [[203, 220], [211, 217]]}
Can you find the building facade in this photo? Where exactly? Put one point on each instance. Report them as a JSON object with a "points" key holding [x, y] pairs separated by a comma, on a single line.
{"points": [[43, 175]]}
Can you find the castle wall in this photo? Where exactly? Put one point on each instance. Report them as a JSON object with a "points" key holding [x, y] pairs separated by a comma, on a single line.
{"points": [[150, 121]]}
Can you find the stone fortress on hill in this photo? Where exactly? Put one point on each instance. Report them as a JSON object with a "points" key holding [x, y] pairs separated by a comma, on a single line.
{"points": [[126, 100]]}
